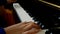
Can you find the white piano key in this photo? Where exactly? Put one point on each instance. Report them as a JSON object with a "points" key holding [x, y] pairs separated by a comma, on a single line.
{"points": [[23, 15]]}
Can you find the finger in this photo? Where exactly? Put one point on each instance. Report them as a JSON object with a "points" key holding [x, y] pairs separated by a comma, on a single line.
{"points": [[31, 25], [17, 25], [24, 25], [34, 25], [32, 31]]}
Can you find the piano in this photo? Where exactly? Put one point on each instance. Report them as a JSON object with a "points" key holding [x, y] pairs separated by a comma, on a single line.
{"points": [[46, 13]]}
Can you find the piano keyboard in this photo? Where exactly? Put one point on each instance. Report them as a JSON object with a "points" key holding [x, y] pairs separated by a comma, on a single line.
{"points": [[24, 16]]}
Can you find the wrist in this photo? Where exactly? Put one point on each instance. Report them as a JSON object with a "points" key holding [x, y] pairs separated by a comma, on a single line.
{"points": [[6, 30], [11, 29]]}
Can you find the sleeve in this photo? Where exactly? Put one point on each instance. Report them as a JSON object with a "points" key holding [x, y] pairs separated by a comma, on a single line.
{"points": [[2, 2], [2, 31]]}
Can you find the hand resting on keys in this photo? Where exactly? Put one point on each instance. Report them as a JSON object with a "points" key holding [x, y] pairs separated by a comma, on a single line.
{"points": [[23, 28]]}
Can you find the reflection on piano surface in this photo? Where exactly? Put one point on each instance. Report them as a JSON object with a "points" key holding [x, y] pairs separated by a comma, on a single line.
{"points": [[54, 1]]}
